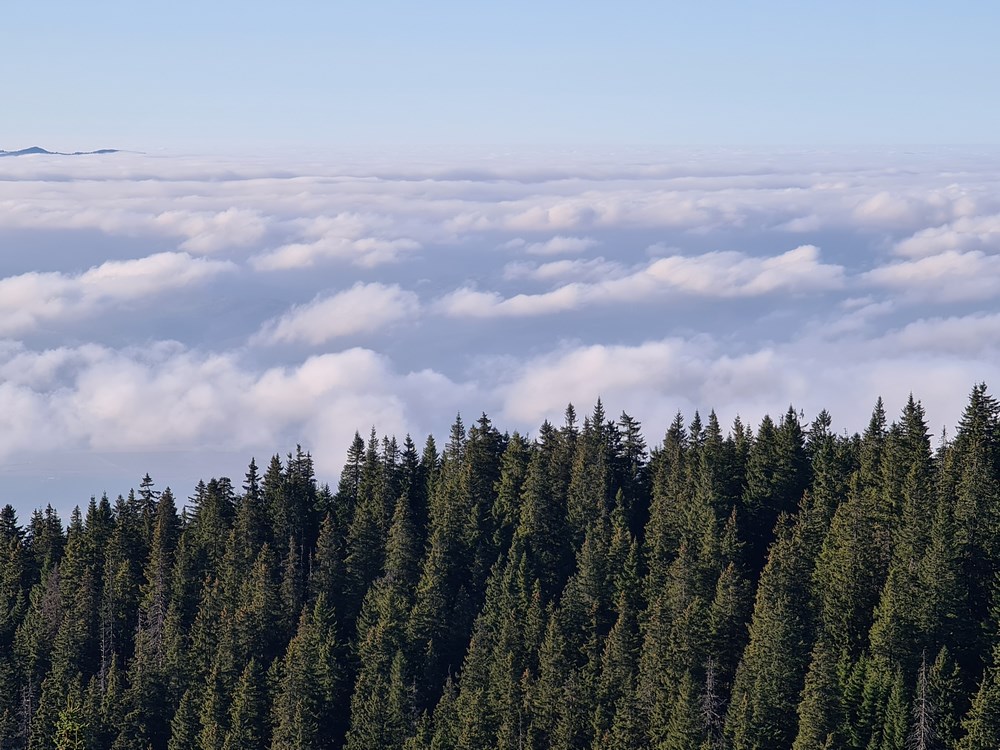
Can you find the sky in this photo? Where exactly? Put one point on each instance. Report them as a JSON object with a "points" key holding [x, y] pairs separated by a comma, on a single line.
{"points": [[255, 75], [351, 215]]}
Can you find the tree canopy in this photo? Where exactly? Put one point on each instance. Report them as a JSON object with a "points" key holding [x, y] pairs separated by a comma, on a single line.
{"points": [[781, 587]]}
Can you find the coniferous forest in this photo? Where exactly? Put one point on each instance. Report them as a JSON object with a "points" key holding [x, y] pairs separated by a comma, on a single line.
{"points": [[769, 588]]}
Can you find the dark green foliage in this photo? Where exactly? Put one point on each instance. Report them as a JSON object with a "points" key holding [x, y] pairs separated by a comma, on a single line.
{"points": [[686, 729], [307, 684], [247, 712], [543, 532], [771, 676], [784, 589], [855, 555], [777, 474], [820, 711]]}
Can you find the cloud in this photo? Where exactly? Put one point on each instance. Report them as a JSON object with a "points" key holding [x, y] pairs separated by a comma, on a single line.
{"points": [[970, 336], [967, 233], [594, 269], [655, 378], [582, 374], [201, 228], [167, 397], [470, 303], [364, 308], [950, 276], [558, 245], [856, 315], [715, 274], [693, 302], [210, 232], [31, 299], [366, 252], [731, 274], [356, 237]]}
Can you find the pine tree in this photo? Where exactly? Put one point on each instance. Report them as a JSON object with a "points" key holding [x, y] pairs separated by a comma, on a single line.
{"points": [[820, 710], [895, 729], [945, 695], [443, 613], [308, 685], [542, 533], [771, 676], [975, 466], [369, 525], [852, 568], [777, 475], [73, 730], [484, 457], [982, 722], [507, 508], [184, 725], [380, 642], [247, 726], [671, 493], [685, 730]]}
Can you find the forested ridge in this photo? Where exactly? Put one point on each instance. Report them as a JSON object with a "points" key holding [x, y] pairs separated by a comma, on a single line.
{"points": [[770, 588]]}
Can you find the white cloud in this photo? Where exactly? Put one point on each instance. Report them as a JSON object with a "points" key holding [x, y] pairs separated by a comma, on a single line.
{"points": [[30, 299], [166, 397], [950, 276], [470, 303], [210, 232], [831, 329], [968, 336], [966, 233], [364, 308], [716, 274], [366, 252], [362, 238], [730, 274], [558, 245], [858, 316], [653, 379], [201, 228], [580, 375]]}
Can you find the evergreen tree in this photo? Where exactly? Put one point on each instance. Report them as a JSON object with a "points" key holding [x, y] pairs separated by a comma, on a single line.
{"points": [[820, 710], [184, 725], [308, 685], [542, 533], [247, 726], [794, 589], [771, 676], [777, 475], [685, 730]]}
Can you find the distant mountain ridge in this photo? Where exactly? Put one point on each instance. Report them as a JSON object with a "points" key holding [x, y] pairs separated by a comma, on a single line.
{"points": [[40, 150]]}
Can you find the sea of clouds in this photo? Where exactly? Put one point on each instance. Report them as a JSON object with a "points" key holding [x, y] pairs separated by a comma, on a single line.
{"points": [[178, 314]]}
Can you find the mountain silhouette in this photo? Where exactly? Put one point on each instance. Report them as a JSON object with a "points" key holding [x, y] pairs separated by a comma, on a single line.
{"points": [[40, 150]]}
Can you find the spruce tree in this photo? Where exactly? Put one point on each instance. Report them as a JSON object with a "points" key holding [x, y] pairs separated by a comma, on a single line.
{"points": [[771, 676]]}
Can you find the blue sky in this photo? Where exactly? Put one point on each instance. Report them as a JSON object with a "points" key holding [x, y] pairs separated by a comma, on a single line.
{"points": [[353, 214], [184, 75]]}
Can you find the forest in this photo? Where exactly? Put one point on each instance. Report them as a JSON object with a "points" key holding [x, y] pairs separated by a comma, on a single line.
{"points": [[770, 588]]}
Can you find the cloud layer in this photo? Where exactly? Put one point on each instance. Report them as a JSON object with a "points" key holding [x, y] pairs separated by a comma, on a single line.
{"points": [[157, 306], [33, 299], [364, 308]]}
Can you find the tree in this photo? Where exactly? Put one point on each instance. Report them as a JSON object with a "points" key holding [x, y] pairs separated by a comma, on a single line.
{"points": [[820, 710], [685, 730], [247, 712], [308, 684], [771, 676], [777, 475]]}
